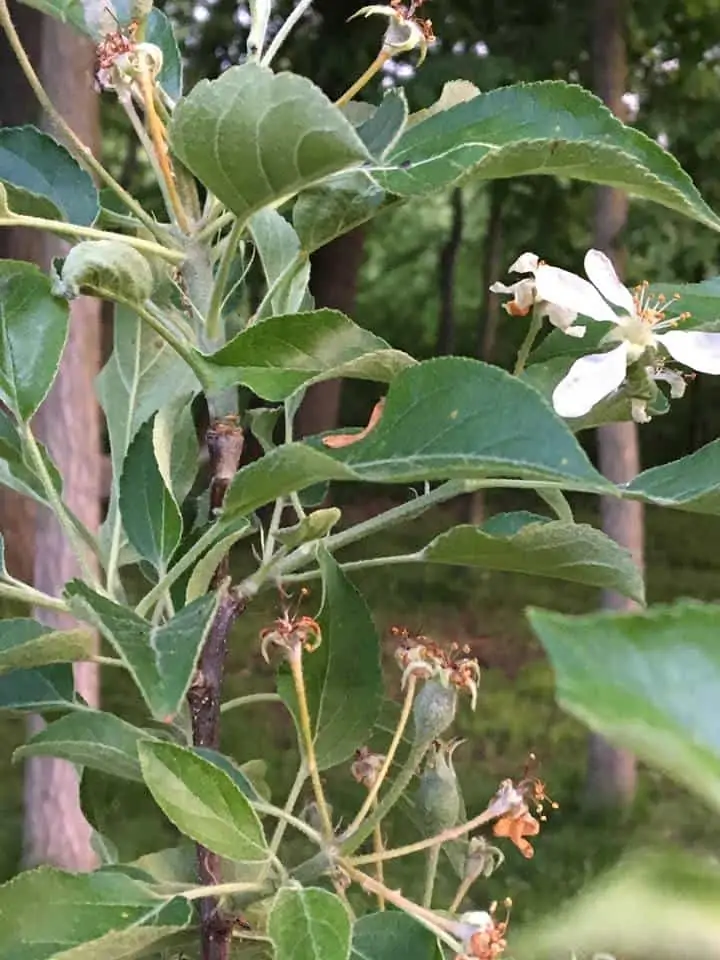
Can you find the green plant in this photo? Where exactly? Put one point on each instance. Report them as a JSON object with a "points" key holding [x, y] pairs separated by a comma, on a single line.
{"points": [[260, 166]]}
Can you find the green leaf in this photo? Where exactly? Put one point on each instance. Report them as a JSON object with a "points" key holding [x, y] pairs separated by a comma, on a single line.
{"points": [[199, 582], [286, 266], [46, 914], [37, 691], [655, 904], [255, 137], [33, 331], [549, 128], [381, 131], [161, 659], [175, 443], [278, 356], [392, 936], [343, 677], [575, 552], [335, 207], [646, 681], [15, 472], [444, 418], [159, 30], [26, 643], [90, 738], [109, 269], [309, 924], [691, 483], [43, 180], [235, 773], [203, 801], [151, 517]]}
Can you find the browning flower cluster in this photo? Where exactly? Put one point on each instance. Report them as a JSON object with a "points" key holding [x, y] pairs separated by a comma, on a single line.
{"points": [[291, 633], [424, 659], [486, 937], [517, 822]]}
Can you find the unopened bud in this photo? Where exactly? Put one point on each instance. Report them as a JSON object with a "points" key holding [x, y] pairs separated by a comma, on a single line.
{"points": [[438, 798], [482, 858], [434, 710], [311, 815]]}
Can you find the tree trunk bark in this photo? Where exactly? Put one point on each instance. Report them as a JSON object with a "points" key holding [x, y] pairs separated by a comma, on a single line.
{"points": [[612, 775], [446, 277], [56, 831], [333, 283]]}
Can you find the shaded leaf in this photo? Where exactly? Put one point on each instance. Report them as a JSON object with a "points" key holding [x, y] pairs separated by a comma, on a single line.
{"points": [[286, 267], [90, 738], [343, 676], [691, 483], [33, 331], [161, 659], [278, 356], [41, 690], [255, 137], [392, 936], [335, 207], [203, 801], [43, 180], [159, 30], [15, 472], [25, 643], [201, 577], [309, 924], [575, 552], [646, 681], [312, 527], [381, 131], [235, 773], [109, 269], [550, 128], [175, 443]]}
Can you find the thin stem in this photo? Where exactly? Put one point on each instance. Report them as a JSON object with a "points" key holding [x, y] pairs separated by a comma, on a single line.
{"points": [[378, 848], [213, 319], [366, 77], [78, 232], [81, 153], [462, 891], [557, 501], [358, 565], [218, 223], [108, 661], [296, 669], [26, 594], [57, 506], [219, 890], [250, 699], [370, 800], [285, 817], [128, 105], [436, 924], [527, 344], [292, 799], [433, 856], [284, 31], [275, 519]]}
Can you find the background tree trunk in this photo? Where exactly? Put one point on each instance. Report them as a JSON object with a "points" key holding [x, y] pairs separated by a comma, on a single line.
{"points": [[333, 283], [69, 423], [446, 277], [611, 776]]}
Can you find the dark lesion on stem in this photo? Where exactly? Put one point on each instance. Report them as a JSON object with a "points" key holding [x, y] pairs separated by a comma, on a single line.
{"points": [[225, 444]]}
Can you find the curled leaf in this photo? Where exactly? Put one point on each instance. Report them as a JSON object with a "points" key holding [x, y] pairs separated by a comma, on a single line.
{"points": [[107, 268], [337, 440]]}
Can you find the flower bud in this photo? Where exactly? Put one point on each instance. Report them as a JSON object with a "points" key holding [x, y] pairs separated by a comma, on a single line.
{"points": [[438, 798], [433, 711]]}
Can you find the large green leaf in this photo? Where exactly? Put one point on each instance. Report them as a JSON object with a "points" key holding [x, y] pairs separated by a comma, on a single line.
{"points": [[33, 330], [150, 516], [538, 128], [343, 677], [691, 483], [43, 180], [50, 689], [307, 923], [278, 356], [392, 936], [161, 659], [46, 914], [90, 738], [255, 137], [382, 130], [646, 681], [333, 208], [661, 905], [444, 418], [203, 801], [26, 643], [565, 551]]}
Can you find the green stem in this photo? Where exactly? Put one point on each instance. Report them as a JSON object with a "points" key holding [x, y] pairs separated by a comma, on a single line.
{"points": [[26, 594], [78, 232], [82, 154], [292, 799], [108, 661], [284, 817], [527, 344], [461, 892], [275, 520], [249, 700], [213, 320], [365, 78], [214, 225], [219, 890], [557, 501], [284, 31], [145, 139], [433, 856], [358, 565], [184, 563], [57, 506]]}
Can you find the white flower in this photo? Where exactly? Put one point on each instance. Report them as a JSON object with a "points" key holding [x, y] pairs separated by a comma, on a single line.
{"points": [[525, 296], [639, 326]]}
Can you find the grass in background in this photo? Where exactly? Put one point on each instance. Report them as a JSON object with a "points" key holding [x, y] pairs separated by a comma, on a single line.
{"points": [[516, 714]]}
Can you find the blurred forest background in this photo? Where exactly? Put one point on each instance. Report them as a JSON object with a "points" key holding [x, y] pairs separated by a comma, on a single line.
{"points": [[419, 277]]}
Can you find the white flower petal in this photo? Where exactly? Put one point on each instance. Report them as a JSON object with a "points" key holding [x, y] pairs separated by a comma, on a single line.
{"points": [[697, 350], [567, 290], [589, 380], [498, 287], [525, 263], [638, 410], [558, 316], [601, 272], [576, 330], [678, 384]]}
